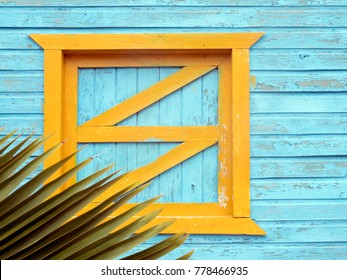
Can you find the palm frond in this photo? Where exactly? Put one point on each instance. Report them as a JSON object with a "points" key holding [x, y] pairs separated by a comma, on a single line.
{"points": [[36, 222]]}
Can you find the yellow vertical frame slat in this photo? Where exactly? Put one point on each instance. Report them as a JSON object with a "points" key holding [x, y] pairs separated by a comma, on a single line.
{"points": [[225, 189], [53, 86], [241, 139], [69, 111]]}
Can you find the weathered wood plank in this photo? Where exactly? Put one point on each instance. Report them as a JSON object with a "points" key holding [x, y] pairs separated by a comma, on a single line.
{"points": [[298, 103], [148, 152], [175, 3], [261, 59], [305, 167], [260, 123], [302, 38], [296, 146], [170, 111], [24, 103], [26, 124], [311, 81], [306, 232], [276, 210], [86, 109], [21, 60], [21, 81], [266, 81], [167, 17], [298, 124], [314, 251], [210, 156], [272, 168], [280, 146], [268, 102], [311, 188]]}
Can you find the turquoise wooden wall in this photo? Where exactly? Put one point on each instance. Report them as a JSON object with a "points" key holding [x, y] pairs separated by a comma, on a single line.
{"points": [[298, 105]]}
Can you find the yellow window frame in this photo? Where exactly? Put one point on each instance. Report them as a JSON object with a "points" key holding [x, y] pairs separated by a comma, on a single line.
{"points": [[64, 54]]}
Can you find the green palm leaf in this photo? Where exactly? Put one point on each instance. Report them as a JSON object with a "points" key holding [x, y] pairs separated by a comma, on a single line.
{"points": [[36, 225]]}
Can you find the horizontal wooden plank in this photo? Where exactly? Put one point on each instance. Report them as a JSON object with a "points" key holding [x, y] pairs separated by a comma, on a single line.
{"points": [[147, 41], [25, 124], [266, 81], [262, 168], [25, 81], [296, 146], [314, 251], [298, 59], [304, 188], [275, 210], [303, 38], [147, 134], [306, 167], [173, 17], [23, 102], [298, 124], [311, 81], [265, 124], [290, 232], [205, 3], [298, 38], [21, 60], [298, 103], [260, 60], [129, 59]]}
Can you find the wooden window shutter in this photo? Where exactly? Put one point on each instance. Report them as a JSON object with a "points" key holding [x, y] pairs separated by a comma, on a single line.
{"points": [[197, 54]]}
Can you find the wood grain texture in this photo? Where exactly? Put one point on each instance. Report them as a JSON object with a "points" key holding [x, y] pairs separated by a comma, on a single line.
{"points": [[102, 17], [174, 3], [149, 41], [267, 81], [267, 102], [306, 251], [261, 59]]}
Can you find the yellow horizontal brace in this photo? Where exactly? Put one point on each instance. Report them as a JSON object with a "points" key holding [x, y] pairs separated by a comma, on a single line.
{"points": [[194, 218], [160, 59], [187, 41], [146, 134]]}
